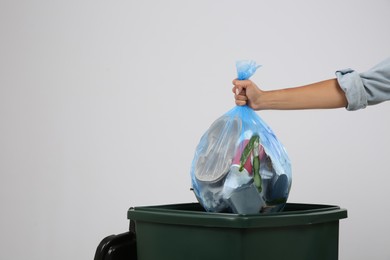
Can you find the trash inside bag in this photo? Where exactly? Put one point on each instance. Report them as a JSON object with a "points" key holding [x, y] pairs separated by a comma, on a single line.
{"points": [[239, 165]]}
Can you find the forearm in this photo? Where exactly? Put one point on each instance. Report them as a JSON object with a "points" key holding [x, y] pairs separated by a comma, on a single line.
{"points": [[324, 94]]}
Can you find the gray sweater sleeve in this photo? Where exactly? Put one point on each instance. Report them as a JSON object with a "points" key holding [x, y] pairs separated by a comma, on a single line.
{"points": [[367, 88]]}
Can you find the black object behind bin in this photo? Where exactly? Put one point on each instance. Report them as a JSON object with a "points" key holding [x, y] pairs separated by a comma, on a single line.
{"points": [[118, 247]]}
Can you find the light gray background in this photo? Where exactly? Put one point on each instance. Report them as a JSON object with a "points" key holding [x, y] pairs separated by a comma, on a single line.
{"points": [[102, 104]]}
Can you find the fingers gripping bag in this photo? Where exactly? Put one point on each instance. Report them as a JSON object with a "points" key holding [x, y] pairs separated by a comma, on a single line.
{"points": [[239, 165]]}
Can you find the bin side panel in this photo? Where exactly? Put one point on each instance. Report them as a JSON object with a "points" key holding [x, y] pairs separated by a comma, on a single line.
{"points": [[164, 241], [306, 242]]}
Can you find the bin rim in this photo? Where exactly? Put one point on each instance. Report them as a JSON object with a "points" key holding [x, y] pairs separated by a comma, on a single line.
{"points": [[190, 214]]}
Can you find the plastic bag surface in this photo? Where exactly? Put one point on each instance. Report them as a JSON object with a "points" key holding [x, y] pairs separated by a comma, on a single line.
{"points": [[239, 164]]}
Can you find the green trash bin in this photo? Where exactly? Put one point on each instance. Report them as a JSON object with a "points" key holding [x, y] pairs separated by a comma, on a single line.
{"points": [[186, 231]]}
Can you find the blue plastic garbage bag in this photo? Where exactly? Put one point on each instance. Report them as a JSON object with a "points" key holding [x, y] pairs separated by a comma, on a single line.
{"points": [[239, 164]]}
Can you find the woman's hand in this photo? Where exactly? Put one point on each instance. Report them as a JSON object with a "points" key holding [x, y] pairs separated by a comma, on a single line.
{"points": [[247, 93]]}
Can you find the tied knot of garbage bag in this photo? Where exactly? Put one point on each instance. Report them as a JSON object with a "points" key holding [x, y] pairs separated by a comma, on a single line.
{"points": [[246, 68]]}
